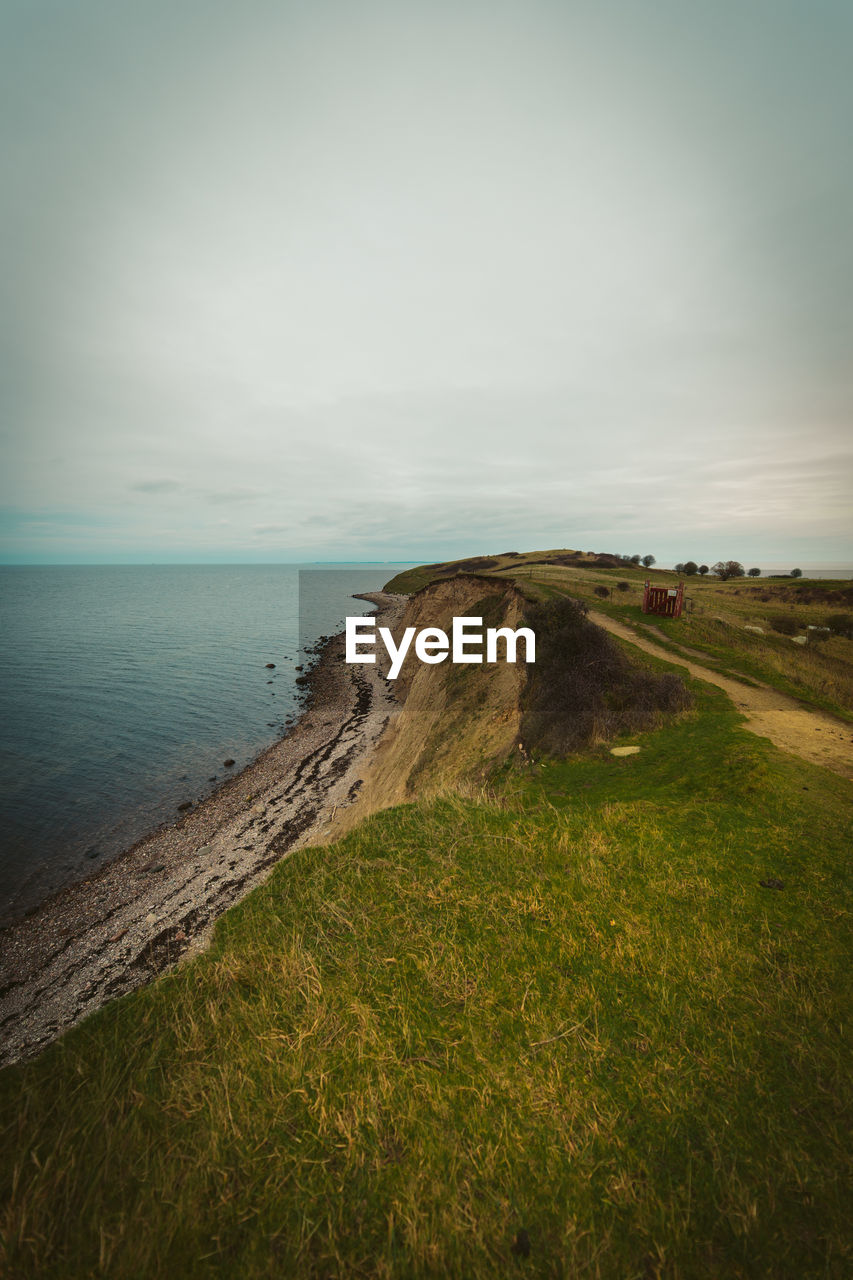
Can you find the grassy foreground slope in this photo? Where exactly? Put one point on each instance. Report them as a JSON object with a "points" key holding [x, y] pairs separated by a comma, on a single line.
{"points": [[558, 1028]]}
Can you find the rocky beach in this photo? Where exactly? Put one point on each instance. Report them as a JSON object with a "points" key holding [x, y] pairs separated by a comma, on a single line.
{"points": [[157, 902]]}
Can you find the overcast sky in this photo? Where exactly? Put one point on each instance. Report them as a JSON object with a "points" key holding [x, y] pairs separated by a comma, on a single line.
{"points": [[419, 279]]}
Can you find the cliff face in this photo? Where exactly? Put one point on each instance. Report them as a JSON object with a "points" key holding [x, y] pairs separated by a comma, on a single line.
{"points": [[456, 722]]}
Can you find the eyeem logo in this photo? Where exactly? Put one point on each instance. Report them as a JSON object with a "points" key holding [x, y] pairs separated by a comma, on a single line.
{"points": [[433, 645]]}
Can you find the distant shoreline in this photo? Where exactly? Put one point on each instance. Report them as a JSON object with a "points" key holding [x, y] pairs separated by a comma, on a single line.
{"points": [[835, 570]]}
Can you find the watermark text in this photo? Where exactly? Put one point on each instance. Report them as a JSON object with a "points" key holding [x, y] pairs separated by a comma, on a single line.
{"points": [[432, 644]]}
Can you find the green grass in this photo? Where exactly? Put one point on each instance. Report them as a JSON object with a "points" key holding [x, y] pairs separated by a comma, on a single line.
{"points": [[412, 580], [818, 676], [810, 675], [565, 1007]]}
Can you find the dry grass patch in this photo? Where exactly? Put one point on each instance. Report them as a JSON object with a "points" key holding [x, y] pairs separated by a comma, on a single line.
{"points": [[559, 1029]]}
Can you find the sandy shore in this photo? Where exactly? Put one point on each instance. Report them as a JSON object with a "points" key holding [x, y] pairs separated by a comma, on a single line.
{"points": [[139, 915]]}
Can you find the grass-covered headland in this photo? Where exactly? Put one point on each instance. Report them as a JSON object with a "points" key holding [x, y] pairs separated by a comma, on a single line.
{"points": [[753, 627], [590, 1020]]}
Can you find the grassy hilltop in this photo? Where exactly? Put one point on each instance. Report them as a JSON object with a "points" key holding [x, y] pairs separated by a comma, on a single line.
{"points": [[732, 622], [576, 1015]]}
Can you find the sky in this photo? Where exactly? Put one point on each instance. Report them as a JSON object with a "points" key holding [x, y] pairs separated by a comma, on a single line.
{"points": [[410, 281]]}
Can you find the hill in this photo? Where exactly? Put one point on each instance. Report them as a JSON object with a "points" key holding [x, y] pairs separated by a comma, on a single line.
{"points": [[553, 1012]]}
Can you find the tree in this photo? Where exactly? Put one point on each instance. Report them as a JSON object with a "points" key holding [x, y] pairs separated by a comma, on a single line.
{"points": [[679, 568], [703, 569], [755, 573], [648, 561], [725, 569], [635, 559], [796, 573], [690, 568]]}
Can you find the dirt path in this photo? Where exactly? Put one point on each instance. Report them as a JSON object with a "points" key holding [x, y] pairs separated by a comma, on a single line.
{"points": [[136, 917], [812, 735]]}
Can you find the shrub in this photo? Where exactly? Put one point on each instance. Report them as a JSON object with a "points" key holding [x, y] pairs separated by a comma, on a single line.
{"points": [[786, 624], [840, 624], [583, 688], [603, 592], [623, 586], [477, 564]]}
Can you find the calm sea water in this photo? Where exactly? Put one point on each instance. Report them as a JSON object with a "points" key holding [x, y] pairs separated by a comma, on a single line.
{"points": [[124, 688]]}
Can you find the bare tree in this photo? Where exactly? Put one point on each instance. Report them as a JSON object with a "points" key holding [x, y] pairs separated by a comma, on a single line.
{"points": [[725, 569]]}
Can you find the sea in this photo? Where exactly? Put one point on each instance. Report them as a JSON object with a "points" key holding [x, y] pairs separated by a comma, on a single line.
{"points": [[123, 689], [837, 571]]}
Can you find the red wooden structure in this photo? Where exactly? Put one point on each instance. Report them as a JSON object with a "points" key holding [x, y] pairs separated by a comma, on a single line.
{"points": [[664, 601]]}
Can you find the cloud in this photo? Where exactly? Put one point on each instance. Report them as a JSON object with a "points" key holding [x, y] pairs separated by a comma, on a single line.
{"points": [[156, 486], [421, 277], [233, 495]]}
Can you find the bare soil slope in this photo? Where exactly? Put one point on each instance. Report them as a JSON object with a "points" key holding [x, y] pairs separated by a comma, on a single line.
{"points": [[453, 722]]}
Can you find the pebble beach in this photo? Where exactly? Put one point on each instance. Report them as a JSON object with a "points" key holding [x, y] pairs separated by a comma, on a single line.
{"points": [[157, 902]]}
